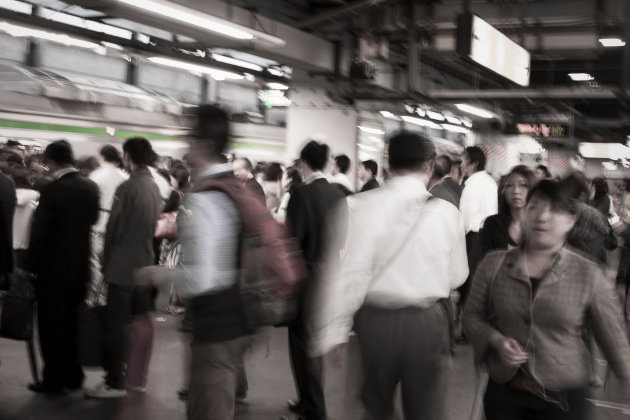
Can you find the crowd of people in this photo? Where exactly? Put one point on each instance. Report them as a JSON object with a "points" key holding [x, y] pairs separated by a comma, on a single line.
{"points": [[527, 257]]}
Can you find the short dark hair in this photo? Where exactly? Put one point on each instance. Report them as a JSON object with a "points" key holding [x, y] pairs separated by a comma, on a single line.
{"points": [[410, 151], [545, 170], [443, 164], [139, 150], [181, 175], [315, 155], [343, 163], [60, 152], [212, 124], [475, 154], [110, 154], [296, 178], [601, 187], [273, 172], [13, 143], [575, 186], [371, 166], [555, 193]]}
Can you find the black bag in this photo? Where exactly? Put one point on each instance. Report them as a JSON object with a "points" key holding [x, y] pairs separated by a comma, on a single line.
{"points": [[91, 327], [17, 317]]}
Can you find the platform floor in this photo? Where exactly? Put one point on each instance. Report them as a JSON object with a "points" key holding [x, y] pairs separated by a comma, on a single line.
{"points": [[268, 371]]}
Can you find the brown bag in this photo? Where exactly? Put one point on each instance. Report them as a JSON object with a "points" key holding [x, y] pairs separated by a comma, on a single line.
{"points": [[17, 317]]}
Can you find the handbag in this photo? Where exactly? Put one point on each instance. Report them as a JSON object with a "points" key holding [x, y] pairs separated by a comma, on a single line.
{"points": [[17, 317]]}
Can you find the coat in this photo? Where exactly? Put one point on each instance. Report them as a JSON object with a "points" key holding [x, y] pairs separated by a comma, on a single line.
{"points": [[7, 207], [448, 190], [549, 327], [371, 184], [59, 246], [130, 228]]}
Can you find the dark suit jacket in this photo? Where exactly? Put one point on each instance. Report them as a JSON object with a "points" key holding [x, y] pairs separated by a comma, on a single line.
{"points": [[129, 236], [252, 185], [448, 190], [7, 208], [494, 236], [370, 185], [59, 249]]}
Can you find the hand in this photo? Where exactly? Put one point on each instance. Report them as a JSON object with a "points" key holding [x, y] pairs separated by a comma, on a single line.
{"points": [[144, 276], [510, 351]]}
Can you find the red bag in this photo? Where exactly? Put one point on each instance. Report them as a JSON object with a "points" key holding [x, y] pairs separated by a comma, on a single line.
{"points": [[166, 227], [272, 268]]}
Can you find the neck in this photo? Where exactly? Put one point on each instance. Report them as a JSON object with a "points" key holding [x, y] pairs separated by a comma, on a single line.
{"points": [[517, 215], [420, 175], [546, 253]]}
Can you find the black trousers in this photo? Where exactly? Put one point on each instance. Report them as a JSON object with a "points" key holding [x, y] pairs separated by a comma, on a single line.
{"points": [[308, 373], [57, 310], [504, 403], [410, 346]]}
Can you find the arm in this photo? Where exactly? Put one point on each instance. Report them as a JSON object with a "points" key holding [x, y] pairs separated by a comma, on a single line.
{"points": [[43, 222], [458, 260], [469, 206], [117, 223], [297, 217]]}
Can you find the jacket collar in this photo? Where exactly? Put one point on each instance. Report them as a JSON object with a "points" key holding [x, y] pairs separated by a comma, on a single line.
{"points": [[556, 273], [140, 171]]}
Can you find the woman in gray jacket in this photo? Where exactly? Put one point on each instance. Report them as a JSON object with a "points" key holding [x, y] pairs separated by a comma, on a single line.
{"points": [[526, 313]]}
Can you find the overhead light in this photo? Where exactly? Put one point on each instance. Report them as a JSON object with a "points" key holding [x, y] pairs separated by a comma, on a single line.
{"points": [[453, 120], [214, 73], [480, 112], [370, 130], [389, 115], [238, 63], [467, 123], [111, 45], [609, 166], [420, 112], [17, 6], [201, 20], [410, 108], [277, 86], [455, 128], [276, 72], [580, 77], [421, 122], [435, 115], [79, 22], [21, 31], [611, 42]]}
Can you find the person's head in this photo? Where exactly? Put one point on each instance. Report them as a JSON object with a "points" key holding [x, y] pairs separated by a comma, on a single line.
{"points": [[110, 154], [209, 137], [137, 152], [180, 177], [342, 164], [313, 157], [242, 168], [87, 165], [576, 186], [442, 168], [474, 160], [291, 179], [272, 172], [549, 216], [513, 195], [368, 169], [456, 171], [542, 172], [600, 186], [58, 155], [411, 153], [22, 177], [13, 145]]}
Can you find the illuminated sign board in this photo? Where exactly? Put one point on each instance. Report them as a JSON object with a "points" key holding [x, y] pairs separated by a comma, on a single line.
{"points": [[490, 48], [542, 130]]}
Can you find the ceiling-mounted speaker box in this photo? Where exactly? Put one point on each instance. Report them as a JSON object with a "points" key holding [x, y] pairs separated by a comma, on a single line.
{"points": [[362, 70]]}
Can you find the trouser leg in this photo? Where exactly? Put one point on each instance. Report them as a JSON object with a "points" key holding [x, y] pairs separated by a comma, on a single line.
{"points": [[117, 316], [73, 373], [140, 343], [50, 316]]}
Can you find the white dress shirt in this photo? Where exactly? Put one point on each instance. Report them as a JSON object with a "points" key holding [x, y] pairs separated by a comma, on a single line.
{"points": [[479, 200], [375, 270], [342, 179], [108, 177]]}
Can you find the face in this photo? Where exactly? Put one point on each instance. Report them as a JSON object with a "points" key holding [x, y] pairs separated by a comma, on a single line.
{"points": [[546, 227], [239, 170], [468, 167], [540, 174], [335, 169], [364, 174], [515, 191]]}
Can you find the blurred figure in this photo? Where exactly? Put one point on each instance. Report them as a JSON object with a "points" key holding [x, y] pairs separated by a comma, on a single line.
{"points": [[600, 198], [505, 230], [309, 215], [7, 208], [108, 176], [128, 247], [243, 171], [40, 176], [291, 180], [456, 172], [526, 313], [87, 165], [272, 185], [402, 321], [27, 200], [368, 169], [340, 169], [542, 172], [442, 183], [59, 254]]}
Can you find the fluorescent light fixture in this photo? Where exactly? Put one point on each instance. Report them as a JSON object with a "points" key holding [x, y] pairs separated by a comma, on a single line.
{"points": [[435, 115], [277, 86], [421, 122], [370, 130], [615, 151], [455, 128], [580, 77], [420, 112], [238, 63], [389, 115], [611, 42], [79, 22], [112, 45], [410, 109], [145, 39], [467, 123], [453, 120], [609, 166], [21, 31], [16, 6], [196, 18], [275, 72], [196, 68], [480, 112]]}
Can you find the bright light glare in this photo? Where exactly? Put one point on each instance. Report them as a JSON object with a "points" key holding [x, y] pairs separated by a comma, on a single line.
{"points": [[580, 77], [370, 130], [420, 112], [609, 166], [16, 6], [277, 86], [474, 110], [455, 128], [421, 122], [435, 115], [111, 45], [611, 42], [215, 73], [21, 31], [235, 62], [389, 115], [453, 120]]}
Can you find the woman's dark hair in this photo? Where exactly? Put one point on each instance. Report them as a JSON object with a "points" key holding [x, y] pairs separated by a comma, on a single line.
{"points": [[272, 172], [21, 176], [556, 193], [139, 151], [576, 186], [343, 163], [504, 209], [295, 176], [181, 175], [601, 187], [315, 155], [545, 170]]}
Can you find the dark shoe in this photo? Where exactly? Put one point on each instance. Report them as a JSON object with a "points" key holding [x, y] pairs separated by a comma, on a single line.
{"points": [[40, 388], [295, 407], [183, 394], [241, 396]]}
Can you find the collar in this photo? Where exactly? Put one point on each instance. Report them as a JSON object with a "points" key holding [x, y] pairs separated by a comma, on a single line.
{"points": [[553, 275], [65, 171], [313, 177], [213, 170], [477, 174], [406, 182]]}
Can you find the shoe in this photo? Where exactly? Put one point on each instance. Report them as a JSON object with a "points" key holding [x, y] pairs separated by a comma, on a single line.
{"points": [[183, 394], [295, 406], [241, 396], [104, 391], [40, 388]]}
